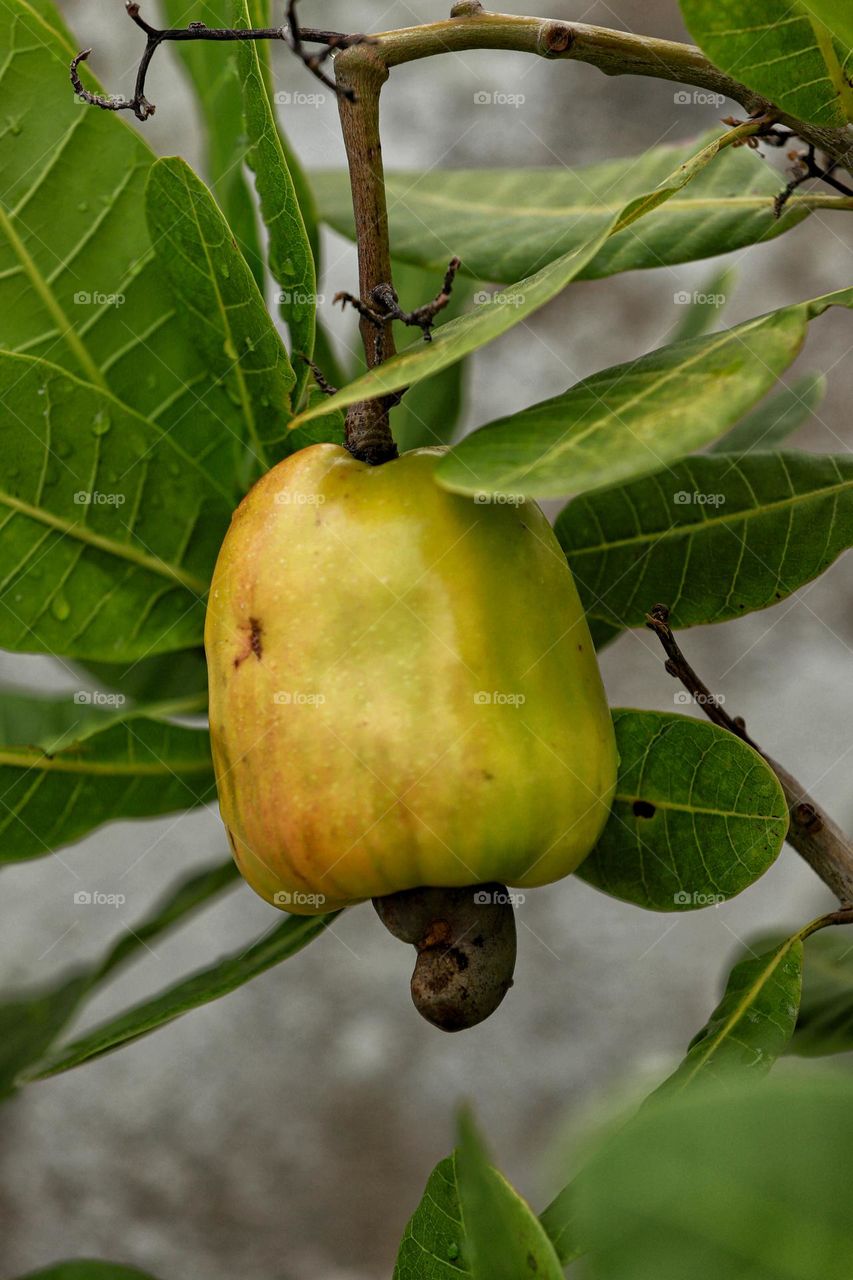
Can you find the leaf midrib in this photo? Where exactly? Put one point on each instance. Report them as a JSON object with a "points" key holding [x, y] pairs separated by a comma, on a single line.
{"points": [[683, 204], [45, 293], [746, 513], [746, 1000], [569, 442], [693, 809], [124, 551], [35, 758]]}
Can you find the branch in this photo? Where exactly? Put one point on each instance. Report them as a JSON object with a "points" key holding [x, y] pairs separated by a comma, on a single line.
{"points": [[814, 835], [360, 75], [613, 52], [293, 36]]}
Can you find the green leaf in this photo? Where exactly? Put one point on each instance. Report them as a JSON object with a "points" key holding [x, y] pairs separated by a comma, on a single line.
{"points": [[750, 1183], [558, 1223], [47, 722], [838, 16], [505, 224], [173, 675], [698, 815], [779, 48], [458, 338], [751, 1025], [31, 1022], [289, 251], [209, 984], [212, 68], [771, 422], [221, 304], [88, 1269], [825, 1024], [703, 307], [712, 537], [505, 1240], [108, 531], [634, 418], [84, 290], [134, 767], [433, 1245]]}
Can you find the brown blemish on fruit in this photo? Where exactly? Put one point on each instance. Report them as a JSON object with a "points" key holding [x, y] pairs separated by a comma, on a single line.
{"points": [[254, 644]]}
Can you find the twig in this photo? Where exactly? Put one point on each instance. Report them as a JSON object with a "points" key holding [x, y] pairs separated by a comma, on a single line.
{"points": [[812, 832], [320, 378], [386, 304], [805, 168], [423, 317], [292, 35]]}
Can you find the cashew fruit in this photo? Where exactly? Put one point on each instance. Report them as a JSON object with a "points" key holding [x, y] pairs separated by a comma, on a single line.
{"points": [[403, 689]]}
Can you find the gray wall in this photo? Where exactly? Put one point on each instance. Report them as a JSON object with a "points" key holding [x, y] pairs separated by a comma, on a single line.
{"points": [[286, 1132]]}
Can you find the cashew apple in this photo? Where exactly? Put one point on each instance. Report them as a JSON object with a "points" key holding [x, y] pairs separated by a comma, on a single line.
{"points": [[403, 689]]}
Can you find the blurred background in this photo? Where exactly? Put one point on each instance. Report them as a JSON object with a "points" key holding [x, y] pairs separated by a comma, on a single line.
{"points": [[286, 1132]]}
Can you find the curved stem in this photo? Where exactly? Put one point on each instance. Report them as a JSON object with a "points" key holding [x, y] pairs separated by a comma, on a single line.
{"points": [[613, 52]]}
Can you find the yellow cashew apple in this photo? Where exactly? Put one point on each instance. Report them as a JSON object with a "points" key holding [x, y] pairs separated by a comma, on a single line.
{"points": [[403, 689]]}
